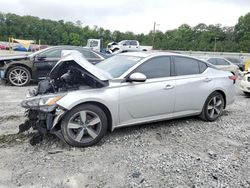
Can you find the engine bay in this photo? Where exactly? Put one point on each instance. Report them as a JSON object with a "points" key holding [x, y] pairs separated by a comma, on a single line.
{"points": [[70, 77]]}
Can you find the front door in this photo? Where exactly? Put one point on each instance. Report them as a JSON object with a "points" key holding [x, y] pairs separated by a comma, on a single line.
{"points": [[152, 99], [45, 61]]}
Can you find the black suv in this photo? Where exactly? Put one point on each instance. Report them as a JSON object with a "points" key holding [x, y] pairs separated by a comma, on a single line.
{"points": [[20, 70]]}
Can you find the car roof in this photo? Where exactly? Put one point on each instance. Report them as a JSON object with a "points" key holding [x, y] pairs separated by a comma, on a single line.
{"points": [[152, 53], [209, 57], [67, 47]]}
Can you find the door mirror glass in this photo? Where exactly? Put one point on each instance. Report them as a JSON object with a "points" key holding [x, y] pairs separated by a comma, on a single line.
{"points": [[137, 77]]}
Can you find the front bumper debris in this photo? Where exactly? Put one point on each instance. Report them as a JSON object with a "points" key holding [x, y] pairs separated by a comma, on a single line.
{"points": [[43, 123]]}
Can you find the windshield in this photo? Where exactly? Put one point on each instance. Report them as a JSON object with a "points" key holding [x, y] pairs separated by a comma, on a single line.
{"points": [[117, 65]]}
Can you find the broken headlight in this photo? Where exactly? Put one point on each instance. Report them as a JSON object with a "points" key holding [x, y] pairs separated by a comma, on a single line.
{"points": [[43, 103]]}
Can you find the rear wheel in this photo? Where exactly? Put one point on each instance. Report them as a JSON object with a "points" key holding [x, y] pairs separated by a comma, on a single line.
{"points": [[213, 107], [18, 76], [84, 125]]}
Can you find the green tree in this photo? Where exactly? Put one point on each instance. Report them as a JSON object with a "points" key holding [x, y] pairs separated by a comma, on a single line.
{"points": [[242, 32], [74, 39]]}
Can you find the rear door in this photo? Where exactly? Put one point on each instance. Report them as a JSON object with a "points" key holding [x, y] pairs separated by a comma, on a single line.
{"points": [[133, 45], [152, 99], [194, 83]]}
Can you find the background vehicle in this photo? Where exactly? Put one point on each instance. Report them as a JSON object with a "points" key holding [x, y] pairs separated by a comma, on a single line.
{"points": [[19, 70], [127, 46], [123, 90], [237, 61], [223, 64], [245, 84]]}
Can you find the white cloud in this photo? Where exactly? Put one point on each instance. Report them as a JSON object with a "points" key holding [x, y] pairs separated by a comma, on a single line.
{"points": [[130, 15]]}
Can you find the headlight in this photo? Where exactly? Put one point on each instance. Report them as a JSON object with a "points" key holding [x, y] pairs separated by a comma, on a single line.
{"points": [[41, 101], [49, 101]]}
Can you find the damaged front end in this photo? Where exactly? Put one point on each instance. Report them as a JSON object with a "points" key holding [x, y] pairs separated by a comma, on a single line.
{"points": [[43, 115], [71, 73]]}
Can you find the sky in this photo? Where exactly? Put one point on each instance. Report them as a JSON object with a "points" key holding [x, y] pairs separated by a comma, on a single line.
{"points": [[137, 16]]}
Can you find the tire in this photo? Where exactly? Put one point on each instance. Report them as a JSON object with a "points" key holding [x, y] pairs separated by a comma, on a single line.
{"points": [[247, 93], [18, 76], [115, 50], [84, 125], [213, 107]]}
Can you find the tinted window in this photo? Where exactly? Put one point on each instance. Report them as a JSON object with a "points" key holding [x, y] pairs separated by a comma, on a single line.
{"points": [[213, 61], [126, 43], [186, 66], [53, 53], [222, 62], [155, 68], [88, 54], [203, 66], [133, 43]]}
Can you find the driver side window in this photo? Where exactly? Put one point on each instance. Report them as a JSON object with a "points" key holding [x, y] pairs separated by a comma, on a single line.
{"points": [[156, 67], [53, 53]]}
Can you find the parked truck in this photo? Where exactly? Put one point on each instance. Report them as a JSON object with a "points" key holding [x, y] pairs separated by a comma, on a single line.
{"points": [[114, 47], [127, 46]]}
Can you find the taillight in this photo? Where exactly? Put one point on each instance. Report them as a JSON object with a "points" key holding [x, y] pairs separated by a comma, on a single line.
{"points": [[233, 77]]}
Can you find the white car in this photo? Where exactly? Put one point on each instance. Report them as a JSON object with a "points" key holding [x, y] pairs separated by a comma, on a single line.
{"points": [[223, 64], [126, 46], [82, 101], [245, 84]]}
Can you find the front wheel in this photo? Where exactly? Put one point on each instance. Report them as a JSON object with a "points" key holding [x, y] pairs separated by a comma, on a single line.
{"points": [[84, 125], [213, 107], [18, 76]]}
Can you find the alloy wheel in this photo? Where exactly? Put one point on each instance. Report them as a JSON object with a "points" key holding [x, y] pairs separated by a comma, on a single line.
{"points": [[214, 107], [84, 126], [18, 77]]}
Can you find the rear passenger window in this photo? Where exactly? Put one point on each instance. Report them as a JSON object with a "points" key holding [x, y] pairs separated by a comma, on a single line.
{"points": [[156, 67], [186, 66], [202, 66], [212, 61], [222, 62]]}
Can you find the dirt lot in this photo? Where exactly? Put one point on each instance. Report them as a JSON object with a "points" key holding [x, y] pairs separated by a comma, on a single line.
{"points": [[178, 153]]}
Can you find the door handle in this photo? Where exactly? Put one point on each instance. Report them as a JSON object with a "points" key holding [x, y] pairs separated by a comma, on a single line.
{"points": [[169, 86], [207, 79]]}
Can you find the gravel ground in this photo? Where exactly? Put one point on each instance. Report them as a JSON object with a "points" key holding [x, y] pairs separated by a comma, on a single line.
{"points": [[178, 153]]}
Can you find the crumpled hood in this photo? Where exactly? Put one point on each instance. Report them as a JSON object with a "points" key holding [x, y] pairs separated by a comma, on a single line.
{"points": [[71, 55]]}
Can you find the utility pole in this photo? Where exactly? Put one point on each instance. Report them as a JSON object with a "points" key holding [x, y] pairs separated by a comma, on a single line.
{"points": [[154, 31], [215, 39]]}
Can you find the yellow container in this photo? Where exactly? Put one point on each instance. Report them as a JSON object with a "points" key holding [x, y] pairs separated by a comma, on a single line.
{"points": [[247, 64]]}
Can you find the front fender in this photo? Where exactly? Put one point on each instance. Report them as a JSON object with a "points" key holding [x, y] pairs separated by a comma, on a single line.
{"points": [[106, 96]]}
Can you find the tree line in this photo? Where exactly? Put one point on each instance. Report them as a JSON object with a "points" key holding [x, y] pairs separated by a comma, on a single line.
{"points": [[202, 37]]}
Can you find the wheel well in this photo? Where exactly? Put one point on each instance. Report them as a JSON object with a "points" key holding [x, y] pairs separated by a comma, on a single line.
{"points": [[224, 97], [106, 111], [20, 65]]}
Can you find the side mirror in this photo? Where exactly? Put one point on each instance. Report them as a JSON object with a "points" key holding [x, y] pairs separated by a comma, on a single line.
{"points": [[137, 77], [124, 44]]}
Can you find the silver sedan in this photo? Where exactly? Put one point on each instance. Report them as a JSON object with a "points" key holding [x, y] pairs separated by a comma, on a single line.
{"points": [[127, 89]]}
